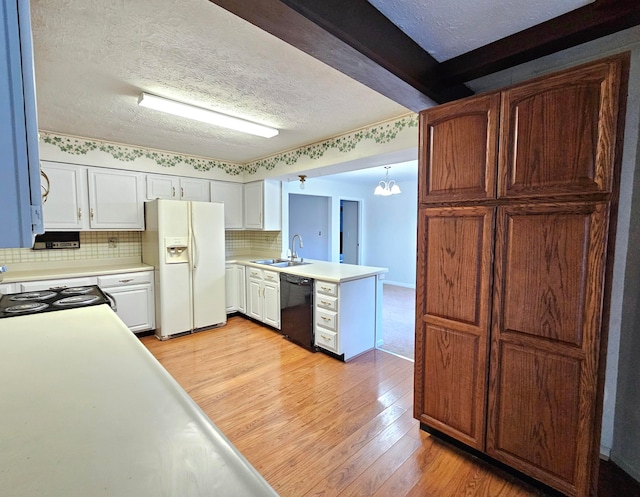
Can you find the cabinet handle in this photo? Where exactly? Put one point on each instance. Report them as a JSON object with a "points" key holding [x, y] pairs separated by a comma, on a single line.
{"points": [[126, 281], [326, 288], [173, 191], [181, 192], [269, 277], [325, 318], [91, 213], [79, 213], [45, 189], [324, 302], [326, 339]]}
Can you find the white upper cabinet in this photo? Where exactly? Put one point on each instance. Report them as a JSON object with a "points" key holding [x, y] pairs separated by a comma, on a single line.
{"points": [[262, 205], [66, 206], [91, 198], [116, 199], [174, 187], [230, 194], [162, 186]]}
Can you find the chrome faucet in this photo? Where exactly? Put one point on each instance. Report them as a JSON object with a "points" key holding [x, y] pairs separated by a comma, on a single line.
{"points": [[294, 255]]}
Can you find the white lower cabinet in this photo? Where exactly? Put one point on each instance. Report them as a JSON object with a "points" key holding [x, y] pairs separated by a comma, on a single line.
{"points": [[345, 316], [235, 286], [135, 302], [132, 292], [263, 296]]}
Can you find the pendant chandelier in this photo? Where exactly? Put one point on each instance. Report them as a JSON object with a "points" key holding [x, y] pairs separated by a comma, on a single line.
{"points": [[387, 187]]}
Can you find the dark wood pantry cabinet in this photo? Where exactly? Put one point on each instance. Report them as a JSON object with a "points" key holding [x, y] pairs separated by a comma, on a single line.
{"points": [[517, 197]]}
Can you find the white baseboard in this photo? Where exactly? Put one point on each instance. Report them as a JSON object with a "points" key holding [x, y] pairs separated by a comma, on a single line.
{"points": [[605, 453]]}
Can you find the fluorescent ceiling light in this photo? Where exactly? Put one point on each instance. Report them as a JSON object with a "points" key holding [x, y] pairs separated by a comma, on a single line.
{"points": [[204, 115]]}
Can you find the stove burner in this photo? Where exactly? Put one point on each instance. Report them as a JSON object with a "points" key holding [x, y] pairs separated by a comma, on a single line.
{"points": [[76, 290], [43, 295], [76, 300], [28, 307]]}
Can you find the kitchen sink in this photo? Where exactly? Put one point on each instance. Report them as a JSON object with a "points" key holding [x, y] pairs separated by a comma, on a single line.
{"points": [[279, 262]]}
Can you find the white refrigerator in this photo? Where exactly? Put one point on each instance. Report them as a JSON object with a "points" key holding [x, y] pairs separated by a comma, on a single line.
{"points": [[184, 241]]}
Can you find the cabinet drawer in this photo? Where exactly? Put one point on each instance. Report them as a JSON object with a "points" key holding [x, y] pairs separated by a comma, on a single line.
{"points": [[327, 288], [253, 273], [327, 339], [326, 319], [35, 286], [271, 276], [326, 302], [125, 279]]}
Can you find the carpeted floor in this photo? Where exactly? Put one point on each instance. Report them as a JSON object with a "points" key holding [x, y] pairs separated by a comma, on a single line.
{"points": [[398, 321]]}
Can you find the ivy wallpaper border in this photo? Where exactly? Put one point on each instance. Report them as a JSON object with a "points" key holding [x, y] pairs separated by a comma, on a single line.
{"points": [[78, 146], [380, 133]]}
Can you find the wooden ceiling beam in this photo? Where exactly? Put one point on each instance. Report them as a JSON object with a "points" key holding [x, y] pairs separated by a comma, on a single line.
{"points": [[357, 40], [598, 19]]}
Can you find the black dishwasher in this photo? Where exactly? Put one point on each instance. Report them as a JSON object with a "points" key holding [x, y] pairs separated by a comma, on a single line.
{"points": [[296, 309]]}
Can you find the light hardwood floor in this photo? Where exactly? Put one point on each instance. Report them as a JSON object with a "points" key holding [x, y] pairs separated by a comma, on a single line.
{"points": [[314, 426]]}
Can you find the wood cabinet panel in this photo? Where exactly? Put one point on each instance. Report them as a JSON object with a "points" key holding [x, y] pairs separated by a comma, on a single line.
{"points": [[452, 319], [537, 414], [546, 252], [458, 145], [546, 147], [546, 336]]}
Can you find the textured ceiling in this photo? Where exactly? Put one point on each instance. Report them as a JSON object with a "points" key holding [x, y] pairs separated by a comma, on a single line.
{"points": [[447, 29], [93, 58]]}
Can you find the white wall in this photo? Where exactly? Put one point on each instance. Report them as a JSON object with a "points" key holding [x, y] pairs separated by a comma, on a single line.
{"points": [[390, 234], [309, 217]]}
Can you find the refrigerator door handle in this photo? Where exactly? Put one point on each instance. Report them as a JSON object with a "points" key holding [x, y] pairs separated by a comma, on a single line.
{"points": [[194, 244]]}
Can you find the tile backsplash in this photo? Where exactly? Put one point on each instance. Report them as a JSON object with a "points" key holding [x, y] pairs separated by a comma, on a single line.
{"points": [[93, 245], [119, 244]]}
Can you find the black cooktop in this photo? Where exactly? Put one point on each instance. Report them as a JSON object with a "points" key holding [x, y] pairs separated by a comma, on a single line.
{"points": [[54, 299]]}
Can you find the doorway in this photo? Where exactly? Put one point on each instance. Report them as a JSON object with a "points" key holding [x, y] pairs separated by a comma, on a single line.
{"points": [[350, 231]]}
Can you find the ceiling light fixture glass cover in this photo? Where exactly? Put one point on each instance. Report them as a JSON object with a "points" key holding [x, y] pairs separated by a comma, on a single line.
{"points": [[205, 115], [303, 178], [387, 187]]}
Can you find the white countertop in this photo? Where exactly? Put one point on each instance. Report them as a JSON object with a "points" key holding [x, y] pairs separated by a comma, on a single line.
{"points": [[86, 410], [319, 270]]}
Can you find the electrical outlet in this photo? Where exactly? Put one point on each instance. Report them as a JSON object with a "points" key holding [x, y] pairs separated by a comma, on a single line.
{"points": [[113, 242]]}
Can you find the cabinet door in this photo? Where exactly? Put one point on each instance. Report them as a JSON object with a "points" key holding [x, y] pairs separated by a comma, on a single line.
{"points": [[242, 289], [549, 267], [253, 199], [230, 194], [458, 150], [455, 246], [231, 288], [194, 189], [66, 207], [135, 306], [271, 309], [162, 186], [254, 299], [559, 133], [116, 199]]}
